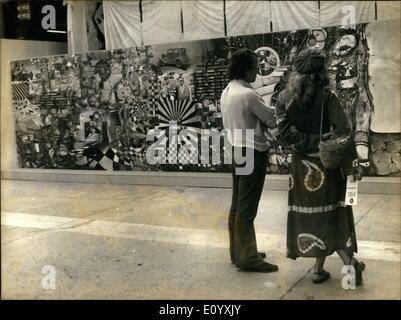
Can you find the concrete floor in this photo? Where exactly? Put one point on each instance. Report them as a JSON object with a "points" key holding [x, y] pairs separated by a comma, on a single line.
{"points": [[146, 242]]}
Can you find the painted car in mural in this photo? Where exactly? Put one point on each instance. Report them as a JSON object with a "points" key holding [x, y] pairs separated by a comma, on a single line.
{"points": [[175, 57]]}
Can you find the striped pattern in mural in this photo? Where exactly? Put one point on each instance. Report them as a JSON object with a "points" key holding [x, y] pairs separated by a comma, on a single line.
{"points": [[20, 90]]}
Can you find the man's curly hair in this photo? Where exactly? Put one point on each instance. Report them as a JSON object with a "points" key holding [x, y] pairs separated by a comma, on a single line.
{"points": [[240, 62]]}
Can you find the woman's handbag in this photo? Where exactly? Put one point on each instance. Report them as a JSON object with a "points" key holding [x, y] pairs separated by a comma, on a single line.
{"points": [[332, 148]]}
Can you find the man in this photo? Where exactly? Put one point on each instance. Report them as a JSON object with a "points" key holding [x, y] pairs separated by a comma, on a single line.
{"points": [[244, 111]]}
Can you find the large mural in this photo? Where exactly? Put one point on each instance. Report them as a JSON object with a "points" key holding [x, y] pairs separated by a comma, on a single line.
{"points": [[105, 110]]}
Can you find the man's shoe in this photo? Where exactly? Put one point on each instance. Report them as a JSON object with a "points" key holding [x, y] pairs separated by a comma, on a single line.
{"points": [[264, 267], [260, 254]]}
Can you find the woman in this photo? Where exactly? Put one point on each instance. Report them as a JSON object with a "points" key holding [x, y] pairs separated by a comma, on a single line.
{"points": [[318, 221]]}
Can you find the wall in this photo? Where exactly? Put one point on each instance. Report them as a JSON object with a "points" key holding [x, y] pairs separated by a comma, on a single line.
{"points": [[384, 69], [12, 50], [1, 20]]}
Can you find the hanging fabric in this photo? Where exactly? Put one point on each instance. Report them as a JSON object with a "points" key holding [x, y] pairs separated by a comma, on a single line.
{"points": [[337, 13], [203, 19], [76, 26], [122, 24], [294, 15], [95, 25], [388, 10], [161, 21], [247, 17]]}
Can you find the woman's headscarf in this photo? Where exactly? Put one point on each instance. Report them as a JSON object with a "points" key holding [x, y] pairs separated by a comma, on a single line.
{"points": [[309, 61]]}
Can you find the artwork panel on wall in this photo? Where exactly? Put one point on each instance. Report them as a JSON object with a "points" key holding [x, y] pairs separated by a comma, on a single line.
{"points": [[161, 21], [240, 13], [203, 19], [294, 15], [122, 24], [337, 13], [156, 107]]}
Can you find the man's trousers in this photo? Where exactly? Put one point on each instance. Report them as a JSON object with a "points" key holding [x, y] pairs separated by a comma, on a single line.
{"points": [[247, 190]]}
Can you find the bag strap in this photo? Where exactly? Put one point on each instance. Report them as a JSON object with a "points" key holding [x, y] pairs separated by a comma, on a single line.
{"points": [[321, 116]]}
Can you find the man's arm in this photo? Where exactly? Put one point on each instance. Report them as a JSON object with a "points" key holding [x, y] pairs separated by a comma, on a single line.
{"points": [[258, 107]]}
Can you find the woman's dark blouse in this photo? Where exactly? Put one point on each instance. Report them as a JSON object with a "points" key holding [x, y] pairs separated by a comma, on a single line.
{"points": [[300, 127]]}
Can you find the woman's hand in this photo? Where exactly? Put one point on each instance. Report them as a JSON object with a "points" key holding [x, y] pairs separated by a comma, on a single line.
{"points": [[357, 171]]}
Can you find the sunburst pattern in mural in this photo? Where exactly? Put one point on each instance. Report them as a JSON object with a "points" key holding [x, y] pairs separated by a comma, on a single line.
{"points": [[182, 112]]}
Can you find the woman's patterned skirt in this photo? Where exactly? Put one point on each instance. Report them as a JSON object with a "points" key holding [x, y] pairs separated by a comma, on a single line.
{"points": [[318, 222]]}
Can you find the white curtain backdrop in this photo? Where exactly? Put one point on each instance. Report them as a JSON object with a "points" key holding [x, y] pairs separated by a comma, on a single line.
{"points": [[203, 20], [294, 15], [92, 8], [76, 27], [247, 17], [122, 24], [331, 12], [161, 21], [388, 10]]}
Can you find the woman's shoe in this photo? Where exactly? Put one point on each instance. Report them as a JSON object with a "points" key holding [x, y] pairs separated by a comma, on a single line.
{"points": [[359, 268], [319, 277]]}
